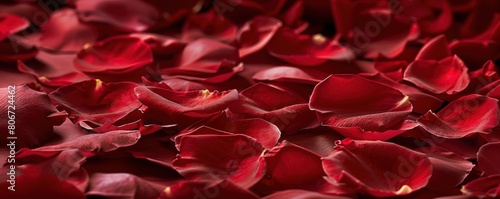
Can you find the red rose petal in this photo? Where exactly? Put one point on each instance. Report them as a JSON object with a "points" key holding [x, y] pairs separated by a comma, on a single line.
{"points": [[256, 33], [235, 157], [485, 187], [113, 56], [208, 25], [264, 132], [467, 115], [301, 194], [97, 142], [290, 74], [121, 185], [278, 106], [487, 158], [292, 167], [347, 105], [94, 102], [203, 189], [182, 106], [53, 82], [435, 49], [366, 166], [33, 113], [448, 75], [448, 169], [10, 24], [134, 16], [64, 32], [304, 50]]}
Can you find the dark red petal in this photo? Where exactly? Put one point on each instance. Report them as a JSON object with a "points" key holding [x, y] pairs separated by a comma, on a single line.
{"points": [[343, 98], [134, 16], [121, 185], [97, 102], [462, 117], [319, 140], [203, 189], [435, 49], [113, 56], [209, 25], [485, 187], [361, 134], [305, 50], [366, 166], [448, 75], [421, 102], [32, 113], [264, 132], [280, 107], [197, 104], [214, 157], [10, 24], [487, 158], [53, 82], [291, 74], [97, 142], [292, 167], [256, 33], [448, 169], [43, 185], [64, 32], [301, 194]]}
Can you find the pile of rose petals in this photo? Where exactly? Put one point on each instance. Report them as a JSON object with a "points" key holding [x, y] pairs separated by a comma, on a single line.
{"points": [[295, 99]]}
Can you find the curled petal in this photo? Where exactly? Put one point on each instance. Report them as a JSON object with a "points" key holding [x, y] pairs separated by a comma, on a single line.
{"points": [[485, 187], [291, 74], [448, 75], [256, 33], [467, 115]]}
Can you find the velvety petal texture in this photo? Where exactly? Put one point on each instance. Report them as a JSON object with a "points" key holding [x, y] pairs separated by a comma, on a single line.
{"points": [[465, 116], [360, 165]]}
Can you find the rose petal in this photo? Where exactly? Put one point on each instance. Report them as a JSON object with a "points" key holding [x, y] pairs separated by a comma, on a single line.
{"points": [[64, 32], [11, 24], [301, 194], [177, 106], [256, 33], [33, 114], [208, 25], [467, 115], [233, 157], [118, 55], [435, 49], [291, 74], [488, 187], [121, 185], [366, 166], [347, 106], [204, 189], [134, 16], [448, 75], [282, 108], [97, 103], [97, 142], [487, 158], [292, 167]]}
